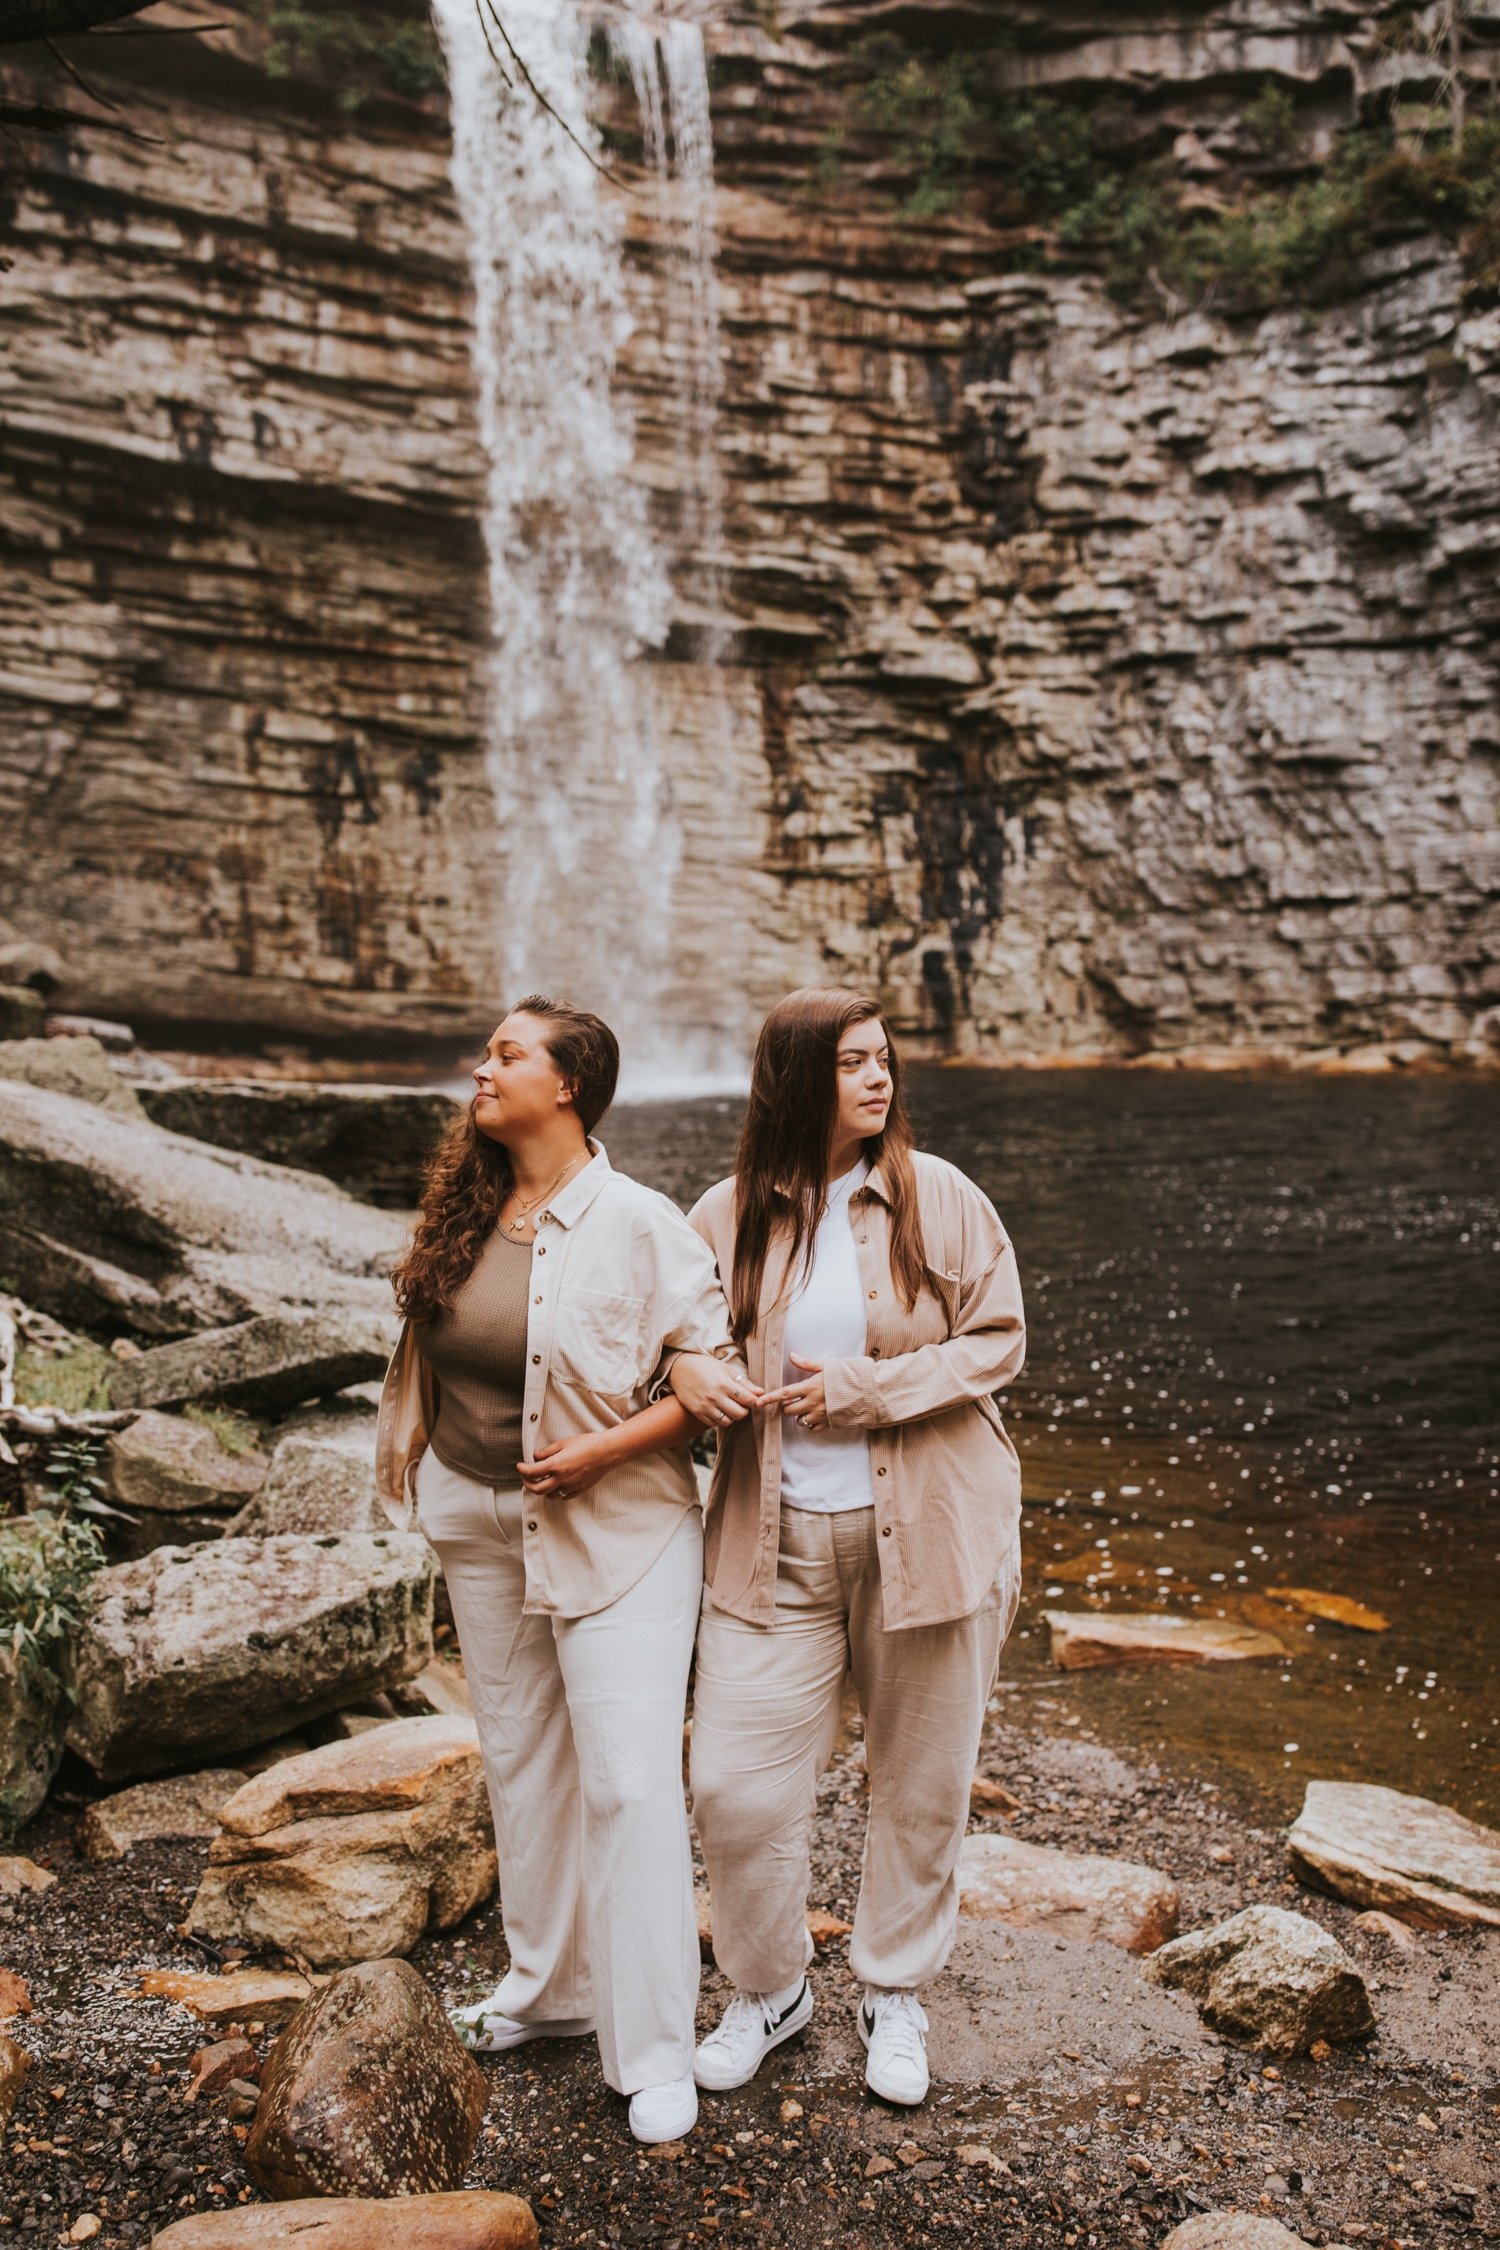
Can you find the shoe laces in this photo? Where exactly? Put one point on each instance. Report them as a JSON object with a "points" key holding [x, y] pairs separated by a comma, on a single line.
{"points": [[744, 2018], [899, 2020]]}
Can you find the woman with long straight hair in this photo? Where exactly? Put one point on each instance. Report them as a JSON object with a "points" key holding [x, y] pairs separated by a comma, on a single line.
{"points": [[863, 1521], [545, 1297]]}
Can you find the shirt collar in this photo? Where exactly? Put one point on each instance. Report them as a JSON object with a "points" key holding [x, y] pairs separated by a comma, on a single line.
{"points": [[875, 1182], [573, 1199]]}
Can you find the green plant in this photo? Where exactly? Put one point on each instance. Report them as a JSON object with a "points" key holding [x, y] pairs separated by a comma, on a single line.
{"points": [[369, 49], [236, 1432], [76, 1380], [928, 112], [1271, 120], [71, 1470], [46, 1565]]}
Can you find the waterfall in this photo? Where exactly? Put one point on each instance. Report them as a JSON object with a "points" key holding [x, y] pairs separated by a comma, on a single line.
{"points": [[590, 839]]}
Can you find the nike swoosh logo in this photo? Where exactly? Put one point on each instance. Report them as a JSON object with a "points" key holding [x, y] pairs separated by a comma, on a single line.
{"points": [[777, 2021]]}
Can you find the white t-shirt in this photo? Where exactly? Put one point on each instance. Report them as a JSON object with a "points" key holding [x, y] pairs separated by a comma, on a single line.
{"points": [[827, 1470]]}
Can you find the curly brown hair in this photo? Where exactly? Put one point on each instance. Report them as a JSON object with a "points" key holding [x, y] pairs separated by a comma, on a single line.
{"points": [[468, 1176]]}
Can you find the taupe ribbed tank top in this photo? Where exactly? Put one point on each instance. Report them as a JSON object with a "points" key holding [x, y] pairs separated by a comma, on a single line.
{"points": [[477, 1350]]}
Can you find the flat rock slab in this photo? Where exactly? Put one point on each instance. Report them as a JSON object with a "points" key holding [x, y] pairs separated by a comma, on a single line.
{"points": [[354, 1850], [1377, 1847], [1082, 1639], [374, 1140], [1270, 1977], [104, 1219], [175, 1467], [242, 1996], [186, 1805], [208, 1650], [264, 1365], [313, 1486], [1087, 1898], [77, 1066], [470, 2220], [367, 2092]]}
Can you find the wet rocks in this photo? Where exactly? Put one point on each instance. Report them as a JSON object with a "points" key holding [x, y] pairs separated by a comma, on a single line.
{"points": [[186, 1805], [374, 1140], [106, 1220], [313, 1486], [473, 2219], [264, 1365], [78, 1067], [1083, 1897], [1084, 1639], [1380, 1848], [367, 2092], [165, 1462], [207, 1650], [14, 2064], [1270, 1977], [356, 1849]]}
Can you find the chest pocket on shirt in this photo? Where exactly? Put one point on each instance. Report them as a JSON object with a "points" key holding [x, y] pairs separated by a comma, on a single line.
{"points": [[597, 1342]]}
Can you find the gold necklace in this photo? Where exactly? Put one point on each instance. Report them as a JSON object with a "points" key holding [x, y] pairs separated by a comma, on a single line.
{"points": [[517, 1225]]}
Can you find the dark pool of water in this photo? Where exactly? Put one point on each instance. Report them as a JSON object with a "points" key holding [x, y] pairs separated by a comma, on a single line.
{"points": [[1264, 1332]]}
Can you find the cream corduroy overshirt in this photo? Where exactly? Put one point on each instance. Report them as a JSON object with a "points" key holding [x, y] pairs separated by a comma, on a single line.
{"points": [[620, 1284], [946, 1477]]}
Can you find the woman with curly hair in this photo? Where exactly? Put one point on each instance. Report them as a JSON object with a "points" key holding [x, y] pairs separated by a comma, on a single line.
{"points": [[864, 1524], [527, 1411]]}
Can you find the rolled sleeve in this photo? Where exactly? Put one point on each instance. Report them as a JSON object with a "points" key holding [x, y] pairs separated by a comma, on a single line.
{"points": [[984, 1351]]}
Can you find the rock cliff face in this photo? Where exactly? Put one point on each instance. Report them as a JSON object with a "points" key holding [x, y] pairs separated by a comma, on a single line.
{"points": [[1094, 679]]}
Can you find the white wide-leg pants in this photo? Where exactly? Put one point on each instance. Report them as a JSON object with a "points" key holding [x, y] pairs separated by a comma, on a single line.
{"points": [[580, 1730]]}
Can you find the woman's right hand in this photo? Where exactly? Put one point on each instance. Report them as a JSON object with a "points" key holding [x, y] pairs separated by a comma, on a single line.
{"points": [[714, 1391]]}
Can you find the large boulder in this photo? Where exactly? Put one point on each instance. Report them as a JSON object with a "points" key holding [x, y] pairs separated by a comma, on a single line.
{"points": [[473, 2219], [79, 1067], [186, 1805], [374, 1140], [356, 1849], [1270, 1977], [1082, 1639], [367, 2092], [104, 1219], [1379, 1848], [173, 1466], [314, 1485], [32, 1719], [264, 1365], [1081, 1896], [202, 1651]]}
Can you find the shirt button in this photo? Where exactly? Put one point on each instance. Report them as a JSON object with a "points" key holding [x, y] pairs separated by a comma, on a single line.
{"points": [[873, 1292], [536, 1300], [885, 1531], [532, 1525], [878, 1472], [536, 1357], [874, 1351], [534, 1418], [541, 1249]]}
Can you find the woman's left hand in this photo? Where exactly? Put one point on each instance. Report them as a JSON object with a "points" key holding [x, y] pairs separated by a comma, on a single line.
{"points": [[805, 1398], [563, 1470]]}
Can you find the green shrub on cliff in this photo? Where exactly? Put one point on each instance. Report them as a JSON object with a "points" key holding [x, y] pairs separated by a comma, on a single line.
{"points": [[46, 1565], [360, 50]]}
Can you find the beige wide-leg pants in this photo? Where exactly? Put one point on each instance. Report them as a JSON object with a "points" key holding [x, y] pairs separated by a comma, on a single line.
{"points": [[580, 1730], [765, 1718]]}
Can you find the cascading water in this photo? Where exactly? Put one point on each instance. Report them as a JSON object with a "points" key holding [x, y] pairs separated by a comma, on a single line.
{"points": [[590, 839]]}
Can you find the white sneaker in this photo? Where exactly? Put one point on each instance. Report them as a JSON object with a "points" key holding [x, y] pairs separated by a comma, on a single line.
{"points": [[894, 2028], [748, 2030], [484, 2030], [664, 2113]]}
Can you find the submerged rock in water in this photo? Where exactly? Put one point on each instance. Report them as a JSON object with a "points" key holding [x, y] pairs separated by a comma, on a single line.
{"points": [[472, 2219], [104, 1219], [208, 1650], [313, 1486], [186, 1805], [1085, 1897], [374, 1140], [1378, 1847], [367, 2092], [264, 1365], [354, 1850], [1083, 1639], [1270, 1977]]}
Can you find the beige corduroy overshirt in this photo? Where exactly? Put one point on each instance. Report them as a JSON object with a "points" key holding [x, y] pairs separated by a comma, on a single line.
{"points": [[620, 1284], [946, 1478]]}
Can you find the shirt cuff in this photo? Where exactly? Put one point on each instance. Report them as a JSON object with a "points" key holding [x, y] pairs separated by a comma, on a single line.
{"points": [[850, 1394]]}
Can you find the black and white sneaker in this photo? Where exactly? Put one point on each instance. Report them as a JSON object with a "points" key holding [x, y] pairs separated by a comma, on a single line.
{"points": [[750, 2028]]}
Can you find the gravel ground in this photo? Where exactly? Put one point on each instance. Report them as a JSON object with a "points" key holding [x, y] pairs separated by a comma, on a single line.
{"points": [[1072, 2104]]}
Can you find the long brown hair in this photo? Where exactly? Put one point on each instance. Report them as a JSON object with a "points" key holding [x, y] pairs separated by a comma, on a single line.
{"points": [[787, 1137], [468, 1176]]}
